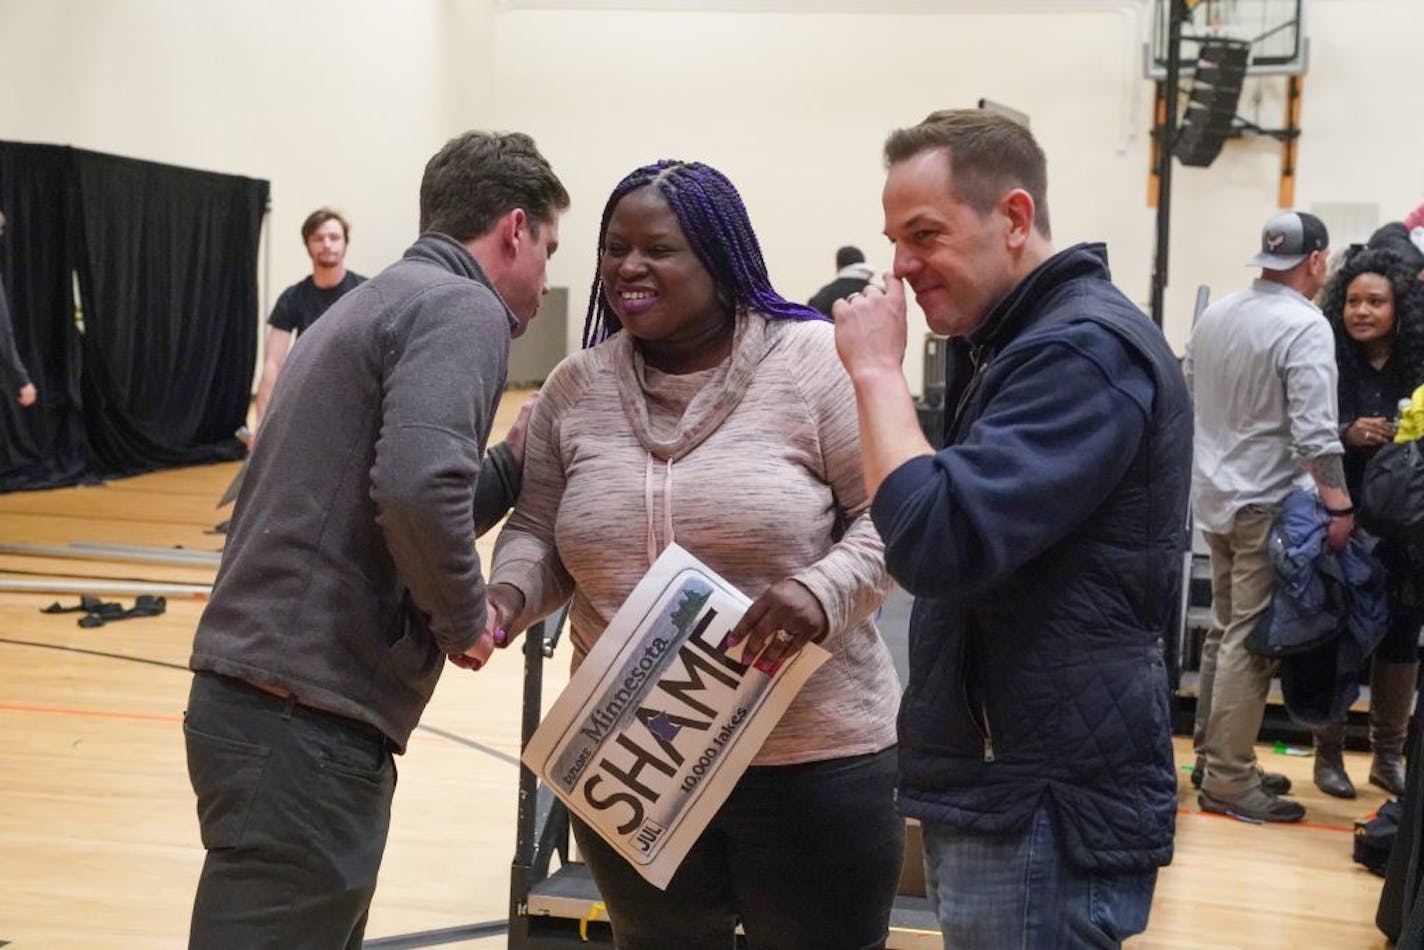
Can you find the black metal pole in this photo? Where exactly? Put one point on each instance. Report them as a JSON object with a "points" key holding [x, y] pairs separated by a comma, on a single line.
{"points": [[521, 870], [1177, 12]]}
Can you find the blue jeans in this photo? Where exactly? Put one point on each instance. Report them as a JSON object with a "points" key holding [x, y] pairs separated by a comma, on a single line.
{"points": [[1018, 890], [806, 856]]}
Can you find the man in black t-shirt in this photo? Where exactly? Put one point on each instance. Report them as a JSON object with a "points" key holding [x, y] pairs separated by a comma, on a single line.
{"points": [[852, 274], [324, 232]]}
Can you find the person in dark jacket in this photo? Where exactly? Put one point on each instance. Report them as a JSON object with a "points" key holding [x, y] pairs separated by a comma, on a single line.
{"points": [[1043, 545], [350, 572], [1395, 238], [14, 378], [852, 274], [1375, 306]]}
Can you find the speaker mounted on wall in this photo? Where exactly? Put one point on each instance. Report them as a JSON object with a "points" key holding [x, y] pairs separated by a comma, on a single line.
{"points": [[1211, 105]]}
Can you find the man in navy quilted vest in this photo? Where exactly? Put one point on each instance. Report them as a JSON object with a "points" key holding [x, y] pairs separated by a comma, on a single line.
{"points": [[1043, 545]]}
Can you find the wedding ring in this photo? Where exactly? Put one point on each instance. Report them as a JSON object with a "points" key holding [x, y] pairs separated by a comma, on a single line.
{"points": [[782, 638]]}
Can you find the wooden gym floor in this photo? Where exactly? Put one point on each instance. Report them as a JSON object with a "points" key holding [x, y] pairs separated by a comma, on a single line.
{"points": [[99, 840]]}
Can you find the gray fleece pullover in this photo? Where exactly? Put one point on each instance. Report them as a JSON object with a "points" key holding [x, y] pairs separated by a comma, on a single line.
{"points": [[350, 568]]}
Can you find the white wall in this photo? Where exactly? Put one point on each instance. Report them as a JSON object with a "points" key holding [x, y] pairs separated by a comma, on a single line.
{"points": [[342, 104], [793, 106], [333, 103], [1360, 143]]}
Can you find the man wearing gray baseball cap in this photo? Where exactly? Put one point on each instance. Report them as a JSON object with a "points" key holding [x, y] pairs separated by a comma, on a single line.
{"points": [[1288, 239], [1261, 367]]}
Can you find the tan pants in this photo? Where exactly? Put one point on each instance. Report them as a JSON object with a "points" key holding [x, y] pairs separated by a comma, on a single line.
{"points": [[1231, 699]]}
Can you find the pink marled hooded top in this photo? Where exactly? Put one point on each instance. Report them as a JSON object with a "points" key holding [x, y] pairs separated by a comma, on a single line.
{"points": [[751, 467]]}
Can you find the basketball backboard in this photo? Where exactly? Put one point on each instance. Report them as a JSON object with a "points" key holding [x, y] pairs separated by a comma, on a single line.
{"points": [[1274, 28]]}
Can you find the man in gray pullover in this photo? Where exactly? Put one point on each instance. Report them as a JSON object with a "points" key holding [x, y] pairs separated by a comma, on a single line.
{"points": [[350, 572]]}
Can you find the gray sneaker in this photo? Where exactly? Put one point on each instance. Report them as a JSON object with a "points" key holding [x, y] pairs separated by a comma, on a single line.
{"points": [[1255, 806]]}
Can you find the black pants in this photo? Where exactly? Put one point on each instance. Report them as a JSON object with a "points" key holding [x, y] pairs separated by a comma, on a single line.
{"points": [[805, 856], [1404, 596], [294, 806]]}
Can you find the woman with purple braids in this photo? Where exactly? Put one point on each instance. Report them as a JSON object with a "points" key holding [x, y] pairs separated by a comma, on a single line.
{"points": [[707, 409]]}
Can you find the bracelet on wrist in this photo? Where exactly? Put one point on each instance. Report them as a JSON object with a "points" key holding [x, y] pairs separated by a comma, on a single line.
{"points": [[1339, 512]]}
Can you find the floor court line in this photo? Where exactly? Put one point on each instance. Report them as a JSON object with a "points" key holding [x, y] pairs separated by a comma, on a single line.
{"points": [[88, 713], [99, 653], [1301, 825], [146, 717]]}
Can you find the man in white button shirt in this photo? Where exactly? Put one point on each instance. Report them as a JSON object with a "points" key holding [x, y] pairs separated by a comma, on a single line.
{"points": [[1261, 367]]}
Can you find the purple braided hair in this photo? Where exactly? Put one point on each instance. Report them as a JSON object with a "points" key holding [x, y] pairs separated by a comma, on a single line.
{"points": [[712, 215]]}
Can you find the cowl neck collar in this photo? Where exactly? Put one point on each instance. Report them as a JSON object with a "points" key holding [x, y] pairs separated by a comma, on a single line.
{"points": [[441, 249], [712, 404]]}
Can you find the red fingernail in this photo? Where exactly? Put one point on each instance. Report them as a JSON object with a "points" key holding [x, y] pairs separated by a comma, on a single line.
{"points": [[475, 664]]}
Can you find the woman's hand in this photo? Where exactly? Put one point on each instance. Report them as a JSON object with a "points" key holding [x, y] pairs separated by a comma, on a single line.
{"points": [[514, 438], [778, 623], [503, 602], [1369, 432]]}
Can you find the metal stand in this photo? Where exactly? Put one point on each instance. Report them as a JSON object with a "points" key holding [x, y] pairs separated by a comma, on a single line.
{"points": [[563, 908], [1165, 133], [45, 585], [560, 915], [142, 554]]}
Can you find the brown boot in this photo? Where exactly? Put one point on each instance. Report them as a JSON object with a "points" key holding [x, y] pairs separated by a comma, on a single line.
{"points": [[1392, 688], [1330, 775]]}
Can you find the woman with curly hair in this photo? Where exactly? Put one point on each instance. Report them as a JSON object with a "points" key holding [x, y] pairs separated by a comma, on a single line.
{"points": [[1376, 308]]}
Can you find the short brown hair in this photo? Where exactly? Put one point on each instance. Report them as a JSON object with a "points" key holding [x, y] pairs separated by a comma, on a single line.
{"points": [[988, 154], [478, 177], [319, 217]]}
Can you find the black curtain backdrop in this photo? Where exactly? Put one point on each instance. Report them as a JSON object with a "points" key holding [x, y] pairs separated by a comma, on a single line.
{"points": [[168, 280], [45, 444], [165, 259]]}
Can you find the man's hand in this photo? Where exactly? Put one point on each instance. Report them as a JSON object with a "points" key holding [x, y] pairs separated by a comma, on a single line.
{"points": [[870, 328], [1337, 531], [502, 603], [1328, 472], [475, 656], [28, 394], [783, 619], [515, 437], [870, 338]]}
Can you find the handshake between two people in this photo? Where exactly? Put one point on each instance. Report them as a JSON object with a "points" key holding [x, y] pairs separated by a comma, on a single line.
{"points": [[781, 621], [503, 602]]}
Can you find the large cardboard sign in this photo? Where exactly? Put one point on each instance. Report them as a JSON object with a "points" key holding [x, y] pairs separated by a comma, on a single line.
{"points": [[658, 723]]}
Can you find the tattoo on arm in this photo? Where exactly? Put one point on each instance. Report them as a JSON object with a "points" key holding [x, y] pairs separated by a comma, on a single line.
{"points": [[1328, 471]]}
